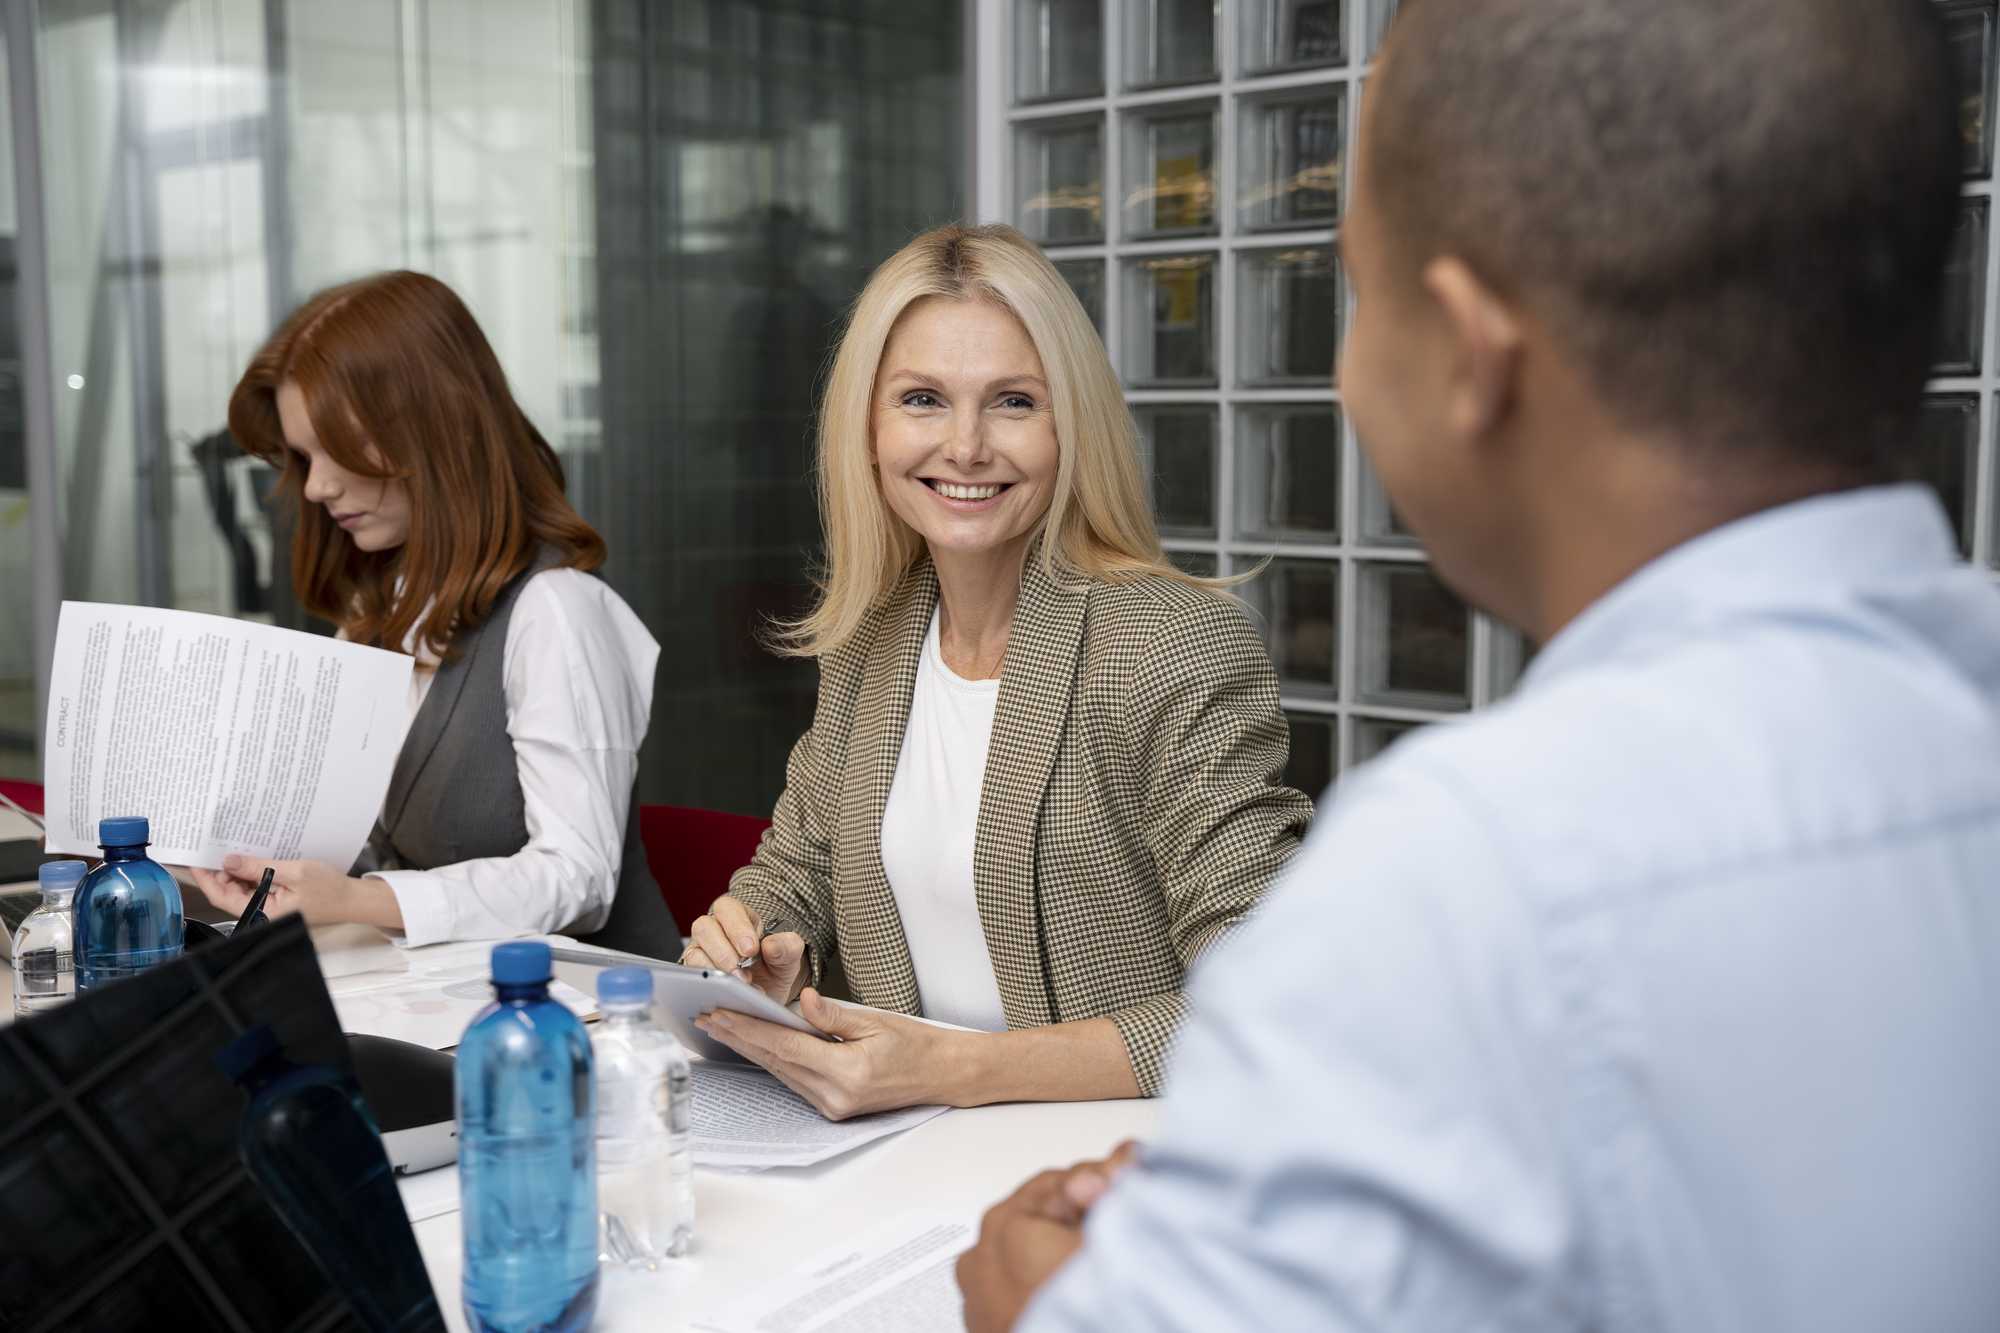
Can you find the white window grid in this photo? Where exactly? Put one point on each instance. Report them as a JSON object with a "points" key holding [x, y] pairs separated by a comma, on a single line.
{"points": [[1493, 652], [1981, 385], [1496, 652]]}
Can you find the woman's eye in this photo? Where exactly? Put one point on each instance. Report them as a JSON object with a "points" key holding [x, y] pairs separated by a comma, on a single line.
{"points": [[920, 398], [1015, 402]]}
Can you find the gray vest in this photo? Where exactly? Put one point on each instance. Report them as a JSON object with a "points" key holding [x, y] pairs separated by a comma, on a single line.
{"points": [[455, 793]]}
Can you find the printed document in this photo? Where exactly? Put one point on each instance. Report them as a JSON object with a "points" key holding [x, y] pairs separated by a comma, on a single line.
{"points": [[895, 1277], [747, 1119], [229, 736]]}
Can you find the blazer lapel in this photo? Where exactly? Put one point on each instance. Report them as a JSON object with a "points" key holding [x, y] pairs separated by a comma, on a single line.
{"points": [[1029, 721], [877, 960]]}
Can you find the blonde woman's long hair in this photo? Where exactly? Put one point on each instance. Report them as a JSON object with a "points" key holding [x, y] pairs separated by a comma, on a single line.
{"points": [[1100, 520]]}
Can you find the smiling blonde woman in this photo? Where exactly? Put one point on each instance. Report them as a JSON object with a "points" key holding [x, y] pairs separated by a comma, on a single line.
{"points": [[1044, 772]]}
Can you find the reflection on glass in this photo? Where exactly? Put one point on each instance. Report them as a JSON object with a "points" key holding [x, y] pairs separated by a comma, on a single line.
{"points": [[1381, 525], [1060, 171], [1290, 34], [1961, 328], [1058, 49], [1970, 24], [1086, 278], [1170, 320], [1416, 639], [1169, 41], [1947, 459], [1380, 12], [738, 214], [1290, 164], [1178, 444], [1170, 162], [1298, 602], [1288, 325], [1373, 735], [1311, 766], [1288, 473]]}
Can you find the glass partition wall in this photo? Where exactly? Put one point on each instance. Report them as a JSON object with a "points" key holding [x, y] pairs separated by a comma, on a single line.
{"points": [[1184, 162], [657, 209]]}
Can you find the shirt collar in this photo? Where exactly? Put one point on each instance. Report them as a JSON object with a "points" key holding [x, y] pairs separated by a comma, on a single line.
{"points": [[1808, 548]]}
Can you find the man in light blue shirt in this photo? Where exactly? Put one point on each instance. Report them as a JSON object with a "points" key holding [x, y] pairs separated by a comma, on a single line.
{"points": [[1665, 996]]}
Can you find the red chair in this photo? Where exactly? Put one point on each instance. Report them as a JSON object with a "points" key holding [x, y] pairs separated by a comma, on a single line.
{"points": [[28, 795], [692, 853]]}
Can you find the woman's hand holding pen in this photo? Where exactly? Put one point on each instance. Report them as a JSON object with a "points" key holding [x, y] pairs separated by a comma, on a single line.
{"points": [[731, 938], [312, 888]]}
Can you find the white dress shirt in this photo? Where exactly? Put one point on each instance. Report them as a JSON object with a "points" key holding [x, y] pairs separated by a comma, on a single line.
{"points": [[578, 680], [928, 829], [1662, 997]]}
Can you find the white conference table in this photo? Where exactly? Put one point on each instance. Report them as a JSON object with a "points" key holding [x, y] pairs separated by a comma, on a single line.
{"points": [[752, 1229]]}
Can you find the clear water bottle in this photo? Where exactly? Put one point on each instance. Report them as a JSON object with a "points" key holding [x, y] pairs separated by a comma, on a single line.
{"points": [[527, 1161], [44, 967], [312, 1147], [128, 912], [645, 1176]]}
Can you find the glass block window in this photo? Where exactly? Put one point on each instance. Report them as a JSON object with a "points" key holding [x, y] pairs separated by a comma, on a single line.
{"points": [[1954, 449], [1186, 165]]}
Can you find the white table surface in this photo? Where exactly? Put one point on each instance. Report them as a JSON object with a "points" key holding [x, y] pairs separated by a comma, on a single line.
{"points": [[751, 1228]]}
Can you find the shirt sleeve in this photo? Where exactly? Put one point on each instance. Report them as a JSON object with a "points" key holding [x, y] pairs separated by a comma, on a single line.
{"points": [[1360, 1128], [578, 679]]}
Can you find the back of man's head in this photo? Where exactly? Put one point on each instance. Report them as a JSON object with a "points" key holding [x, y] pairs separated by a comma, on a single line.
{"points": [[1733, 215]]}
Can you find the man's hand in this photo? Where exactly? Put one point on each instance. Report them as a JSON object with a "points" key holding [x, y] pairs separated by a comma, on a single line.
{"points": [[1026, 1238]]}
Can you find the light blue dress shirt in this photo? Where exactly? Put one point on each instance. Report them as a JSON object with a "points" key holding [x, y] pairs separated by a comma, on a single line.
{"points": [[1665, 996]]}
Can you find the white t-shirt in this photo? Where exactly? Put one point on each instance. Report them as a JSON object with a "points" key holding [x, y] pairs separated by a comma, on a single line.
{"points": [[578, 681], [928, 828]]}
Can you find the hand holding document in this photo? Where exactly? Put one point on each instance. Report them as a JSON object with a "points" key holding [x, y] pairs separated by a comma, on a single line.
{"points": [[744, 1118], [895, 1276], [229, 736]]}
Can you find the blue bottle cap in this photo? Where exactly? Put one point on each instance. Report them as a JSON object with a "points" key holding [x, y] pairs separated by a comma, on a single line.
{"points": [[61, 874], [520, 963], [124, 831], [625, 985], [244, 1054]]}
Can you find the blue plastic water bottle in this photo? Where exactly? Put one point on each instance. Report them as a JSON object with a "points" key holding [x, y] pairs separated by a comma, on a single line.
{"points": [[527, 1160], [128, 912]]}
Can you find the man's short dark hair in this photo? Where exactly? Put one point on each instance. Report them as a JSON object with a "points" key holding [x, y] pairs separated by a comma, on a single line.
{"points": [[1734, 214]]}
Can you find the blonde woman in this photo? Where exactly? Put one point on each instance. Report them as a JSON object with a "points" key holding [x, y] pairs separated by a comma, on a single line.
{"points": [[1043, 776]]}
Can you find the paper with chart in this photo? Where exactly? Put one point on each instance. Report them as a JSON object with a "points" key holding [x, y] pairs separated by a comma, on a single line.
{"points": [[746, 1119], [900, 1275], [228, 735]]}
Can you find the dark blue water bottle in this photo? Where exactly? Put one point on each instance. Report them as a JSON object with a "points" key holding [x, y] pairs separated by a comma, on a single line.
{"points": [[527, 1161], [128, 912], [314, 1150]]}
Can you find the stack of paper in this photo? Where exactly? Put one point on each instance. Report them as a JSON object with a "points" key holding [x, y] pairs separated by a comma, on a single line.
{"points": [[747, 1120]]}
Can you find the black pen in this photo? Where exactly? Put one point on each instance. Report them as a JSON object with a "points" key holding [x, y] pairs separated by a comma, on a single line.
{"points": [[256, 907]]}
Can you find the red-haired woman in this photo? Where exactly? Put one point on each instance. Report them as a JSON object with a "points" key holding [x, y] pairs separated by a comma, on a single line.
{"points": [[432, 521]]}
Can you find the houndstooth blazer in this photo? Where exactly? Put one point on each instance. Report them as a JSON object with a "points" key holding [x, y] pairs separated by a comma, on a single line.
{"points": [[1132, 809]]}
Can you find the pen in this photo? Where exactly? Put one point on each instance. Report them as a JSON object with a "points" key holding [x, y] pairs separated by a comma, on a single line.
{"points": [[756, 951], [255, 908]]}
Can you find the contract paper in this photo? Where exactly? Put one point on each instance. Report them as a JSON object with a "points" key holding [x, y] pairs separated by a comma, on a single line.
{"points": [[229, 736], [748, 1120], [896, 1277]]}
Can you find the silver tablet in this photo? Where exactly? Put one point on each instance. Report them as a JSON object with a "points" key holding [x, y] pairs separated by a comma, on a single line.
{"points": [[683, 994]]}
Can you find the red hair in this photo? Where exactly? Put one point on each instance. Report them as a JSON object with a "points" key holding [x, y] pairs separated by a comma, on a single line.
{"points": [[397, 362]]}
